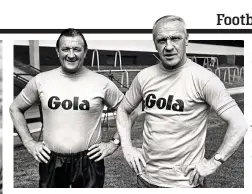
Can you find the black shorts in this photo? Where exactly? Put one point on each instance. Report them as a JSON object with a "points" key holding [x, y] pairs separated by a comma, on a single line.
{"points": [[71, 170]]}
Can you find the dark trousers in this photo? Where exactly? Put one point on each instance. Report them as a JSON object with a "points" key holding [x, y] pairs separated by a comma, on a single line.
{"points": [[71, 170], [141, 183]]}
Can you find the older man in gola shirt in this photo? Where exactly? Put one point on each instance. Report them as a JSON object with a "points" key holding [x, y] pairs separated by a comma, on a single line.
{"points": [[178, 95], [72, 98]]}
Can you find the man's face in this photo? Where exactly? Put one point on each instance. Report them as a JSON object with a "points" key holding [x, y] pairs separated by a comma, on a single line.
{"points": [[71, 53], [170, 40]]}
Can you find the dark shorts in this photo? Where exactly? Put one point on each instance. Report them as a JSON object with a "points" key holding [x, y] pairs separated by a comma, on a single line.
{"points": [[71, 170], [141, 183]]}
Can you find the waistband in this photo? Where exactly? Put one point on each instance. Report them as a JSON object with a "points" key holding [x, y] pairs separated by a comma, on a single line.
{"points": [[77, 154]]}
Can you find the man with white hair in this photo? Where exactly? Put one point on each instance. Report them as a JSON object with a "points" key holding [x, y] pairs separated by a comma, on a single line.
{"points": [[178, 95]]}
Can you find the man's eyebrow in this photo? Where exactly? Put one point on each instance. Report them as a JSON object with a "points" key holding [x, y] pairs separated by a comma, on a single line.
{"points": [[162, 38], [176, 36], [169, 37]]}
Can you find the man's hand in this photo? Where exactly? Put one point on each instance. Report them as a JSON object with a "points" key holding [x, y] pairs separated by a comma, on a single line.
{"points": [[38, 150], [133, 156], [201, 170], [101, 150]]}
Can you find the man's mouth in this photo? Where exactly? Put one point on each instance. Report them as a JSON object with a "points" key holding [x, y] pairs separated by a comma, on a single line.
{"points": [[169, 55], [71, 60]]}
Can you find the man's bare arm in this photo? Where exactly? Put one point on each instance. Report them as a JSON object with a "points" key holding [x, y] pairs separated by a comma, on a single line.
{"points": [[124, 123], [39, 151], [17, 109], [101, 150], [237, 128]]}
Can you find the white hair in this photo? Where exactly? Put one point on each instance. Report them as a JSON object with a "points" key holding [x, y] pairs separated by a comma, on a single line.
{"points": [[169, 18]]}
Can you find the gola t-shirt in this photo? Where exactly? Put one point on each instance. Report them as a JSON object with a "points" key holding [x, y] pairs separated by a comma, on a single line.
{"points": [[177, 104], [72, 106]]}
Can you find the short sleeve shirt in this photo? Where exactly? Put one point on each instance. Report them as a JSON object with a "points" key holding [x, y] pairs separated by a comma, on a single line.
{"points": [[177, 104], [72, 105]]}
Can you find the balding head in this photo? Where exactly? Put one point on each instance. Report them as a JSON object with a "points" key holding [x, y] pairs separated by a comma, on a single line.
{"points": [[170, 39], [168, 18]]}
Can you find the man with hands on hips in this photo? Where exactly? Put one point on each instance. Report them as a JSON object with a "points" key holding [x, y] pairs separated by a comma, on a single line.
{"points": [[178, 95], [72, 99]]}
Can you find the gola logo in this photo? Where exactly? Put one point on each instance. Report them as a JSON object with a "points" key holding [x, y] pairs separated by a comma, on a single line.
{"points": [[54, 103], [161, 103]]}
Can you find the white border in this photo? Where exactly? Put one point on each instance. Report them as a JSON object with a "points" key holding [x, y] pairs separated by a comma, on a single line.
{"points": [[248, 113], [130, 14], [7, 125]]}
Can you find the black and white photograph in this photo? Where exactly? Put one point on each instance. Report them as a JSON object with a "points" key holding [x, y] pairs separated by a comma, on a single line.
{"points": [[165, 112], [129, 94]]}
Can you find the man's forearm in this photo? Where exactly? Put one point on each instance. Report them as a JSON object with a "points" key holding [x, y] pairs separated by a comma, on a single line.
{"points": [[132, 118], [233, 138], [21, 125], [124, 123]]}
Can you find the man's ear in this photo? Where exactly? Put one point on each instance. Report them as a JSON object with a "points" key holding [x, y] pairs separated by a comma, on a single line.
{"points": [[153, 38], [187, 39], [155, 45], [85, 53], [57, 51]]}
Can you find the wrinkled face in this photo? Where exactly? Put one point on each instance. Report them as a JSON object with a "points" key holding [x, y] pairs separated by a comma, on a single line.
{"points": [[71, 53], [170, 41]]}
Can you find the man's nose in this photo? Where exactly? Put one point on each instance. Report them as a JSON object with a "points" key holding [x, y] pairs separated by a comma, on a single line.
{"points": [[169, 44], [70, 53]]}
